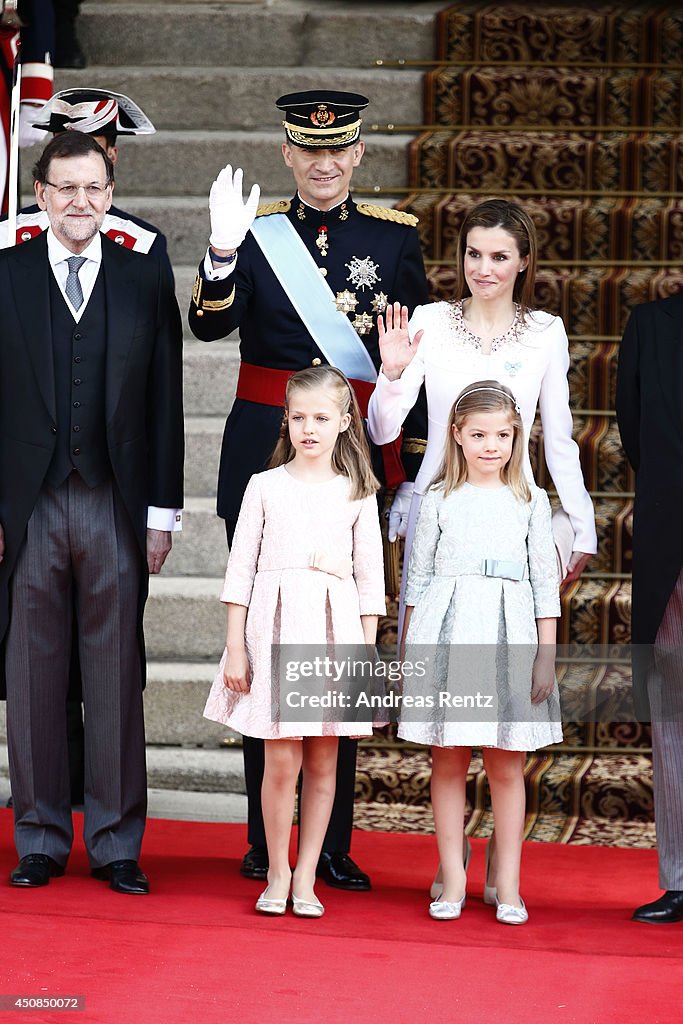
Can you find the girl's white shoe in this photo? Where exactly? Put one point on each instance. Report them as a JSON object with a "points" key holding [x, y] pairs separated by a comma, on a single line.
{"points": [[307, 908], [507, 914], [266, 905], [441, 910]]}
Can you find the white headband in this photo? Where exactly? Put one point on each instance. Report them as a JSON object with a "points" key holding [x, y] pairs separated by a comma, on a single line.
{"points": [[498, 391]]}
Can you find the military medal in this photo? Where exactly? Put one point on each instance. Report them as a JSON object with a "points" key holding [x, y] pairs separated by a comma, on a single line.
{"points": [[363, 323], [346, 302], [379, 303], [322, 241], [362, 273]]}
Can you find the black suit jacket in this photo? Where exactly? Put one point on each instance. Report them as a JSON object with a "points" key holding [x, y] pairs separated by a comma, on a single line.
{"points": [[143, 389], [650, 415]]}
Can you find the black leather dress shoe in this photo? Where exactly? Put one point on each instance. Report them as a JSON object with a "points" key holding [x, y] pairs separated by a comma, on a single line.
{"points": [[124, 876], [666, 910], [35, 869], [255, 863], [339, 871]]}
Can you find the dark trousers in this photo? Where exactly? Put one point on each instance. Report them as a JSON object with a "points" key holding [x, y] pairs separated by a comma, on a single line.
{"points": [[80, 552], [338, 835]]}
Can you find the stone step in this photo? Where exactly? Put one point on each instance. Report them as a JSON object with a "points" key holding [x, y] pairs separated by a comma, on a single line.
{"points": [[184, 619], [200, 548], [210, 377], [244, 97], [185, 163], [203, 436], [278, 35], [175, 696]]}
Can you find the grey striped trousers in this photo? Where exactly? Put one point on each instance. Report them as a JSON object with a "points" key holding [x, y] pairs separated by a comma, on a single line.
{"points": [[79, 544], [665, 690]]}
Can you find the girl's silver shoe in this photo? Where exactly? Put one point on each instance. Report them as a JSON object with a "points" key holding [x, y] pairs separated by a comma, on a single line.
{"points": [[441, 910], [266, 905], [507, 914], [307, 908], [437, 884]]}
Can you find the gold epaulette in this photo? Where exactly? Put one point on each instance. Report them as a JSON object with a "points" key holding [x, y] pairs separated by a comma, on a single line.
{"points": [[386, 213], [281, 206]]}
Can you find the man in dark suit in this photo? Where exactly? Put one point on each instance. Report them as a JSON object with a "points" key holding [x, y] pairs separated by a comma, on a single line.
{"points": [[650, 414], [104, 115], [91, 477], [367, 256]]}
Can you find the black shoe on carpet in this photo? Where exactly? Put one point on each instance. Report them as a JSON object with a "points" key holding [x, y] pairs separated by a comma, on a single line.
{"points": [[255, 863], [123, 876], [666, 910], [34, 870], [339, 871]]}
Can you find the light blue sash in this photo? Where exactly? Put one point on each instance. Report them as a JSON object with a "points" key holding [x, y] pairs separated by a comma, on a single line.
{"points": [[312, 297]]}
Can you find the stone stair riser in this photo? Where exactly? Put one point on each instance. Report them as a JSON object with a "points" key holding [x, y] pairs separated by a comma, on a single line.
{"points": [[186, 163], [243, 98], [264, 36]]}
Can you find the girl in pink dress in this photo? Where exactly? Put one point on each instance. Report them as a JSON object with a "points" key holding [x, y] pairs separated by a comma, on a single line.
{"points": [[305, 568]]}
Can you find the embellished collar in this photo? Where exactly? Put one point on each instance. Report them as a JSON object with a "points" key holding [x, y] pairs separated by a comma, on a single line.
{"points": [[327, 218], [470, 338]]}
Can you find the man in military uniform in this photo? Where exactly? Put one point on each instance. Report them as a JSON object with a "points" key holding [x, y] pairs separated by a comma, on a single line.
{"points": [[262, 275]]}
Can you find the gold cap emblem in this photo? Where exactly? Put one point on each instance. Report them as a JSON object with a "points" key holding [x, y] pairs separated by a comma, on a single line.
{"points": [[322, 117]]}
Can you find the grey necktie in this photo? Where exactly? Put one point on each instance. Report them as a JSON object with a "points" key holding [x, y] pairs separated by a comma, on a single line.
{"points": [[74, 292]]}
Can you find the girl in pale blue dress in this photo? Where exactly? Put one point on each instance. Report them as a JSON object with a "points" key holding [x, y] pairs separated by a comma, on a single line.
{"points": [[482, 601]]}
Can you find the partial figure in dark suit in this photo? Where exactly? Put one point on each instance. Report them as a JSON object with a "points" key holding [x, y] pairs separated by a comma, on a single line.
{"points": [[650, 415], [265, 277], [91, 483]]}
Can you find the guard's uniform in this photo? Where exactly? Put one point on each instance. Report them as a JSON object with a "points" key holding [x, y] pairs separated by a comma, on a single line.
{"points": [[369, 256], [123, 228], [37, 39]]}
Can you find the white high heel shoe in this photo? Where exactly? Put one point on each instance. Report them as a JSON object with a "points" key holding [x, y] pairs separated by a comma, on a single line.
{"points": [[437, 885], [441, 910]]}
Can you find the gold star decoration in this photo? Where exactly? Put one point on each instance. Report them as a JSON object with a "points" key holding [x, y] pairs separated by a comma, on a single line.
{"points": [[379, 303], [363, 323], [346, 302]]}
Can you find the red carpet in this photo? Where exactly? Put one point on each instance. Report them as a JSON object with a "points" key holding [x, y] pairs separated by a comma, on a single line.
{"points": [[194, 950]]}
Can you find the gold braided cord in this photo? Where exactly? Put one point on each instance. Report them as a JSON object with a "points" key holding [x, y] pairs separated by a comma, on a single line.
{"points": [[386, 213], [279, 206], [327, 132]]}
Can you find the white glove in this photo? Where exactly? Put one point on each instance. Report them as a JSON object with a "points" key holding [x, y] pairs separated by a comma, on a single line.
{"points": [[398, 513], [231, 218], [28, 135]]}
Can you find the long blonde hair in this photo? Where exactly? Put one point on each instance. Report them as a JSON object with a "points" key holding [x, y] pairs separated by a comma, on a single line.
{"points": [[483, 396], [351, 455]]}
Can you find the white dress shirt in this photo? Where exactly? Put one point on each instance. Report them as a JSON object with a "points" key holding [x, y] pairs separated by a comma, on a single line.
{"points": [[170, 519]]}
